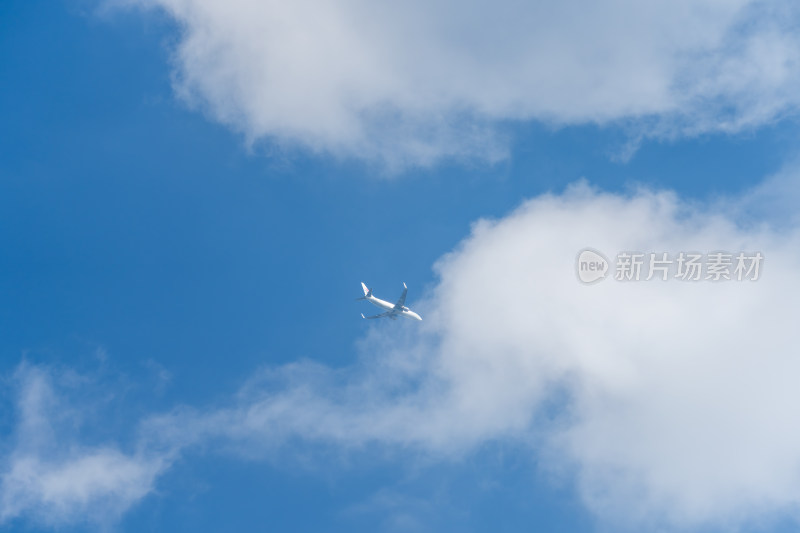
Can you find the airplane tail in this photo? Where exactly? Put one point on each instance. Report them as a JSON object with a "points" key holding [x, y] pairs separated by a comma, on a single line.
{"points": [[367, 292]]}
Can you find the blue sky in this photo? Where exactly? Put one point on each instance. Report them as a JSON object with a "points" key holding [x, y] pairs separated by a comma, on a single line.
{"points": [[167, 259]]}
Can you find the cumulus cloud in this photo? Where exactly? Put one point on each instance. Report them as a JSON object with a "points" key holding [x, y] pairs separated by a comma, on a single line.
{"points": [[410, 83], [671, 404]]}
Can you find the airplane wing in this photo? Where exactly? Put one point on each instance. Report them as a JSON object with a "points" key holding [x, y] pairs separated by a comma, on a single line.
{"points": [[387, 313], [402, 301]]}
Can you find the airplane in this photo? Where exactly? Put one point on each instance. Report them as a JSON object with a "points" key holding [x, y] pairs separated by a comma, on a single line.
{"points": [[392, 311]]}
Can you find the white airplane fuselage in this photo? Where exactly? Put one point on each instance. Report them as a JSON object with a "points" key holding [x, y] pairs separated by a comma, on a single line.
{"points": [[383, 304]]}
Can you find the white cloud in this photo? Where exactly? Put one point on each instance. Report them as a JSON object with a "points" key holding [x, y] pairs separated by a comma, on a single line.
{"points": [[775, 199], [51, 478], [410, 83], [671, 404]]}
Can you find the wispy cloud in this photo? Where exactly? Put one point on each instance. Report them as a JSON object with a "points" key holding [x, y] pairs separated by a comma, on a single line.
{"points": [[413, 82], [52, 478]]}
